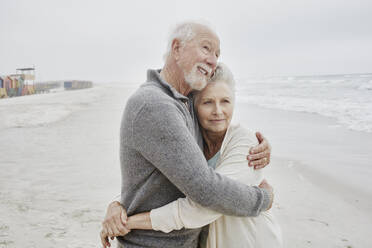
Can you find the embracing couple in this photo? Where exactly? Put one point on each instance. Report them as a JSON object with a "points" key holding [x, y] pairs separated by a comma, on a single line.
{"points": [[190, 178]]}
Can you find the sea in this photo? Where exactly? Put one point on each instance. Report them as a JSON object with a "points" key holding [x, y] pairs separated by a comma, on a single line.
{"points": [[344, 97]]}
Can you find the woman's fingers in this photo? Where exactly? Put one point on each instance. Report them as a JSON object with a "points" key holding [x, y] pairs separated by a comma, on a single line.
{"points": [[265, 185], [114, 231], [104, 238], [115, 228], [122, 229], [110, 232], [123, 216]]}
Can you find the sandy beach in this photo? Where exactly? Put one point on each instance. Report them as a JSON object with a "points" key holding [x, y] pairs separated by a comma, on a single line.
{"points": [[60, 168]]}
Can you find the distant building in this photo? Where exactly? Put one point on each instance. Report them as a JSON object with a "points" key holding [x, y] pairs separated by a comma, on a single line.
{"points": [[27, 74], [76, 84]]}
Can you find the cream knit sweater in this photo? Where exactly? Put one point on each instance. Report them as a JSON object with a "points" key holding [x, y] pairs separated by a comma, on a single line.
{"points": [[262, 231]]}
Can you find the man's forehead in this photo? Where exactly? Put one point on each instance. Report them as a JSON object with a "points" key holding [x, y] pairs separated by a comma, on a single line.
{"points": [[208, 36]]}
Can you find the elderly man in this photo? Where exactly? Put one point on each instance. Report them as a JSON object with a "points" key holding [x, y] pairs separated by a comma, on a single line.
{"points": [[161, 156]]}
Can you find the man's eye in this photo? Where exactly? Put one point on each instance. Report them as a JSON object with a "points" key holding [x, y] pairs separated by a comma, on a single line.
{"points": [[206, 48]]}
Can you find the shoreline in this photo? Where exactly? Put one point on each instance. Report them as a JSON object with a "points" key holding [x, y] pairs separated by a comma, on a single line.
{"points": [[318, 142]]}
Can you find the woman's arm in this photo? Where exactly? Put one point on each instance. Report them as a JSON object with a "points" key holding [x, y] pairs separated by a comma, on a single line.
{"points": [[185, 213], [182, 213], [139, 221]]}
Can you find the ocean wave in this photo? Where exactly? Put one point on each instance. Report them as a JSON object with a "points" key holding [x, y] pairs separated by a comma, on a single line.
{"points": [[348, 99], [366, 86], [353, 115]]}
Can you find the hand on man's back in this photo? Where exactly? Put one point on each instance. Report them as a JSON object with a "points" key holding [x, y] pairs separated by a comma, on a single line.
{"points": [[265, 185], [114, 223]]}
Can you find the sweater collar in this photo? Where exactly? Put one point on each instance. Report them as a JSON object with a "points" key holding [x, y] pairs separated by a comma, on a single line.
{"points": [[154, 76]]}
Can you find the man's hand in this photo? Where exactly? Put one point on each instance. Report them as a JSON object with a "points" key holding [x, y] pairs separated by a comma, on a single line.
{"points": [[259, 156], [265, 185], [114, 223]]}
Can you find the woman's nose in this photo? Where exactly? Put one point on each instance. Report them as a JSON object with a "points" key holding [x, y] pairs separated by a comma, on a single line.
{"points": [[217, 109]]}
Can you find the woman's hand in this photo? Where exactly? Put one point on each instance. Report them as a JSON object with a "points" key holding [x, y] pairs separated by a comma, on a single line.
{"points": [[259, 156], [265, 185], [105, 237], [137, 221], [114, 223]]}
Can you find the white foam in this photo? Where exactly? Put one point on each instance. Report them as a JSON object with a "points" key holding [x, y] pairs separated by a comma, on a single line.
{"points": [[366, 86], [349, 100]]}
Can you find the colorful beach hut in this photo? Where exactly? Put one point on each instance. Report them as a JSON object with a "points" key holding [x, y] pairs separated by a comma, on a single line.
{"points": [[3, 93], [27, 78], [9, 86]]}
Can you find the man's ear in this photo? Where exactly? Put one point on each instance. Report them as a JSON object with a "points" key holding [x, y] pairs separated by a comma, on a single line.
{"points": [[176, 47]]}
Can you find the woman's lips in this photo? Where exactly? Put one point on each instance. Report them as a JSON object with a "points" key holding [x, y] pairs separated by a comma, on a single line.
{"points": [[220, 120]]}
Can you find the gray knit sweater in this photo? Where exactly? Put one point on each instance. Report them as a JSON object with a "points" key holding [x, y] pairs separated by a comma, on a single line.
{"points": [[161, 161]]}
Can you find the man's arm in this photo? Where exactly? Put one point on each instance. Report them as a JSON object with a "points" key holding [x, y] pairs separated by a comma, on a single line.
{"points": [[158, 221], [161, 136]]}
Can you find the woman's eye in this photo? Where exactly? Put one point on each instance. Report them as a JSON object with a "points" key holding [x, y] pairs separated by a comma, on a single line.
{"points": [[207, 102]]}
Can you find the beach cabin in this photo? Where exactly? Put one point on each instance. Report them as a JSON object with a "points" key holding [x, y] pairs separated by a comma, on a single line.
{"points": [[17, 84], [27, 80], [2, 88], [9, 86]]}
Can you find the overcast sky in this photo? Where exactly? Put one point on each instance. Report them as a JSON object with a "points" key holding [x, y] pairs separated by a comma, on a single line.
{"points": [[119, 40]]}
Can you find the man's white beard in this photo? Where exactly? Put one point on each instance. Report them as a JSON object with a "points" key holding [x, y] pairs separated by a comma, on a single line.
{"points": [[195, 79]]}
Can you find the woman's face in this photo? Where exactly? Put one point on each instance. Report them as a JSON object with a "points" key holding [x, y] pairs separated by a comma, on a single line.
{"points": [[215, 107]]}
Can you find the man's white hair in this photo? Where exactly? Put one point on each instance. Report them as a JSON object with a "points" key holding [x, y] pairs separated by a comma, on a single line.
{"points": [[184, 32]]}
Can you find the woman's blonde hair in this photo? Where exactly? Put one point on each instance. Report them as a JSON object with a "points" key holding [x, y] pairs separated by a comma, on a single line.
{"points": [[222, 74]]}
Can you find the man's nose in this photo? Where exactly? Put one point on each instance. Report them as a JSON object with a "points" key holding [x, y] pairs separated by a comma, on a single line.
{"points": [[212, 62]]}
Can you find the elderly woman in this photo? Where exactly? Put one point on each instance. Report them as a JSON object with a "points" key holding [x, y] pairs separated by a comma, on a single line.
{"points": [[225, 148]]}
